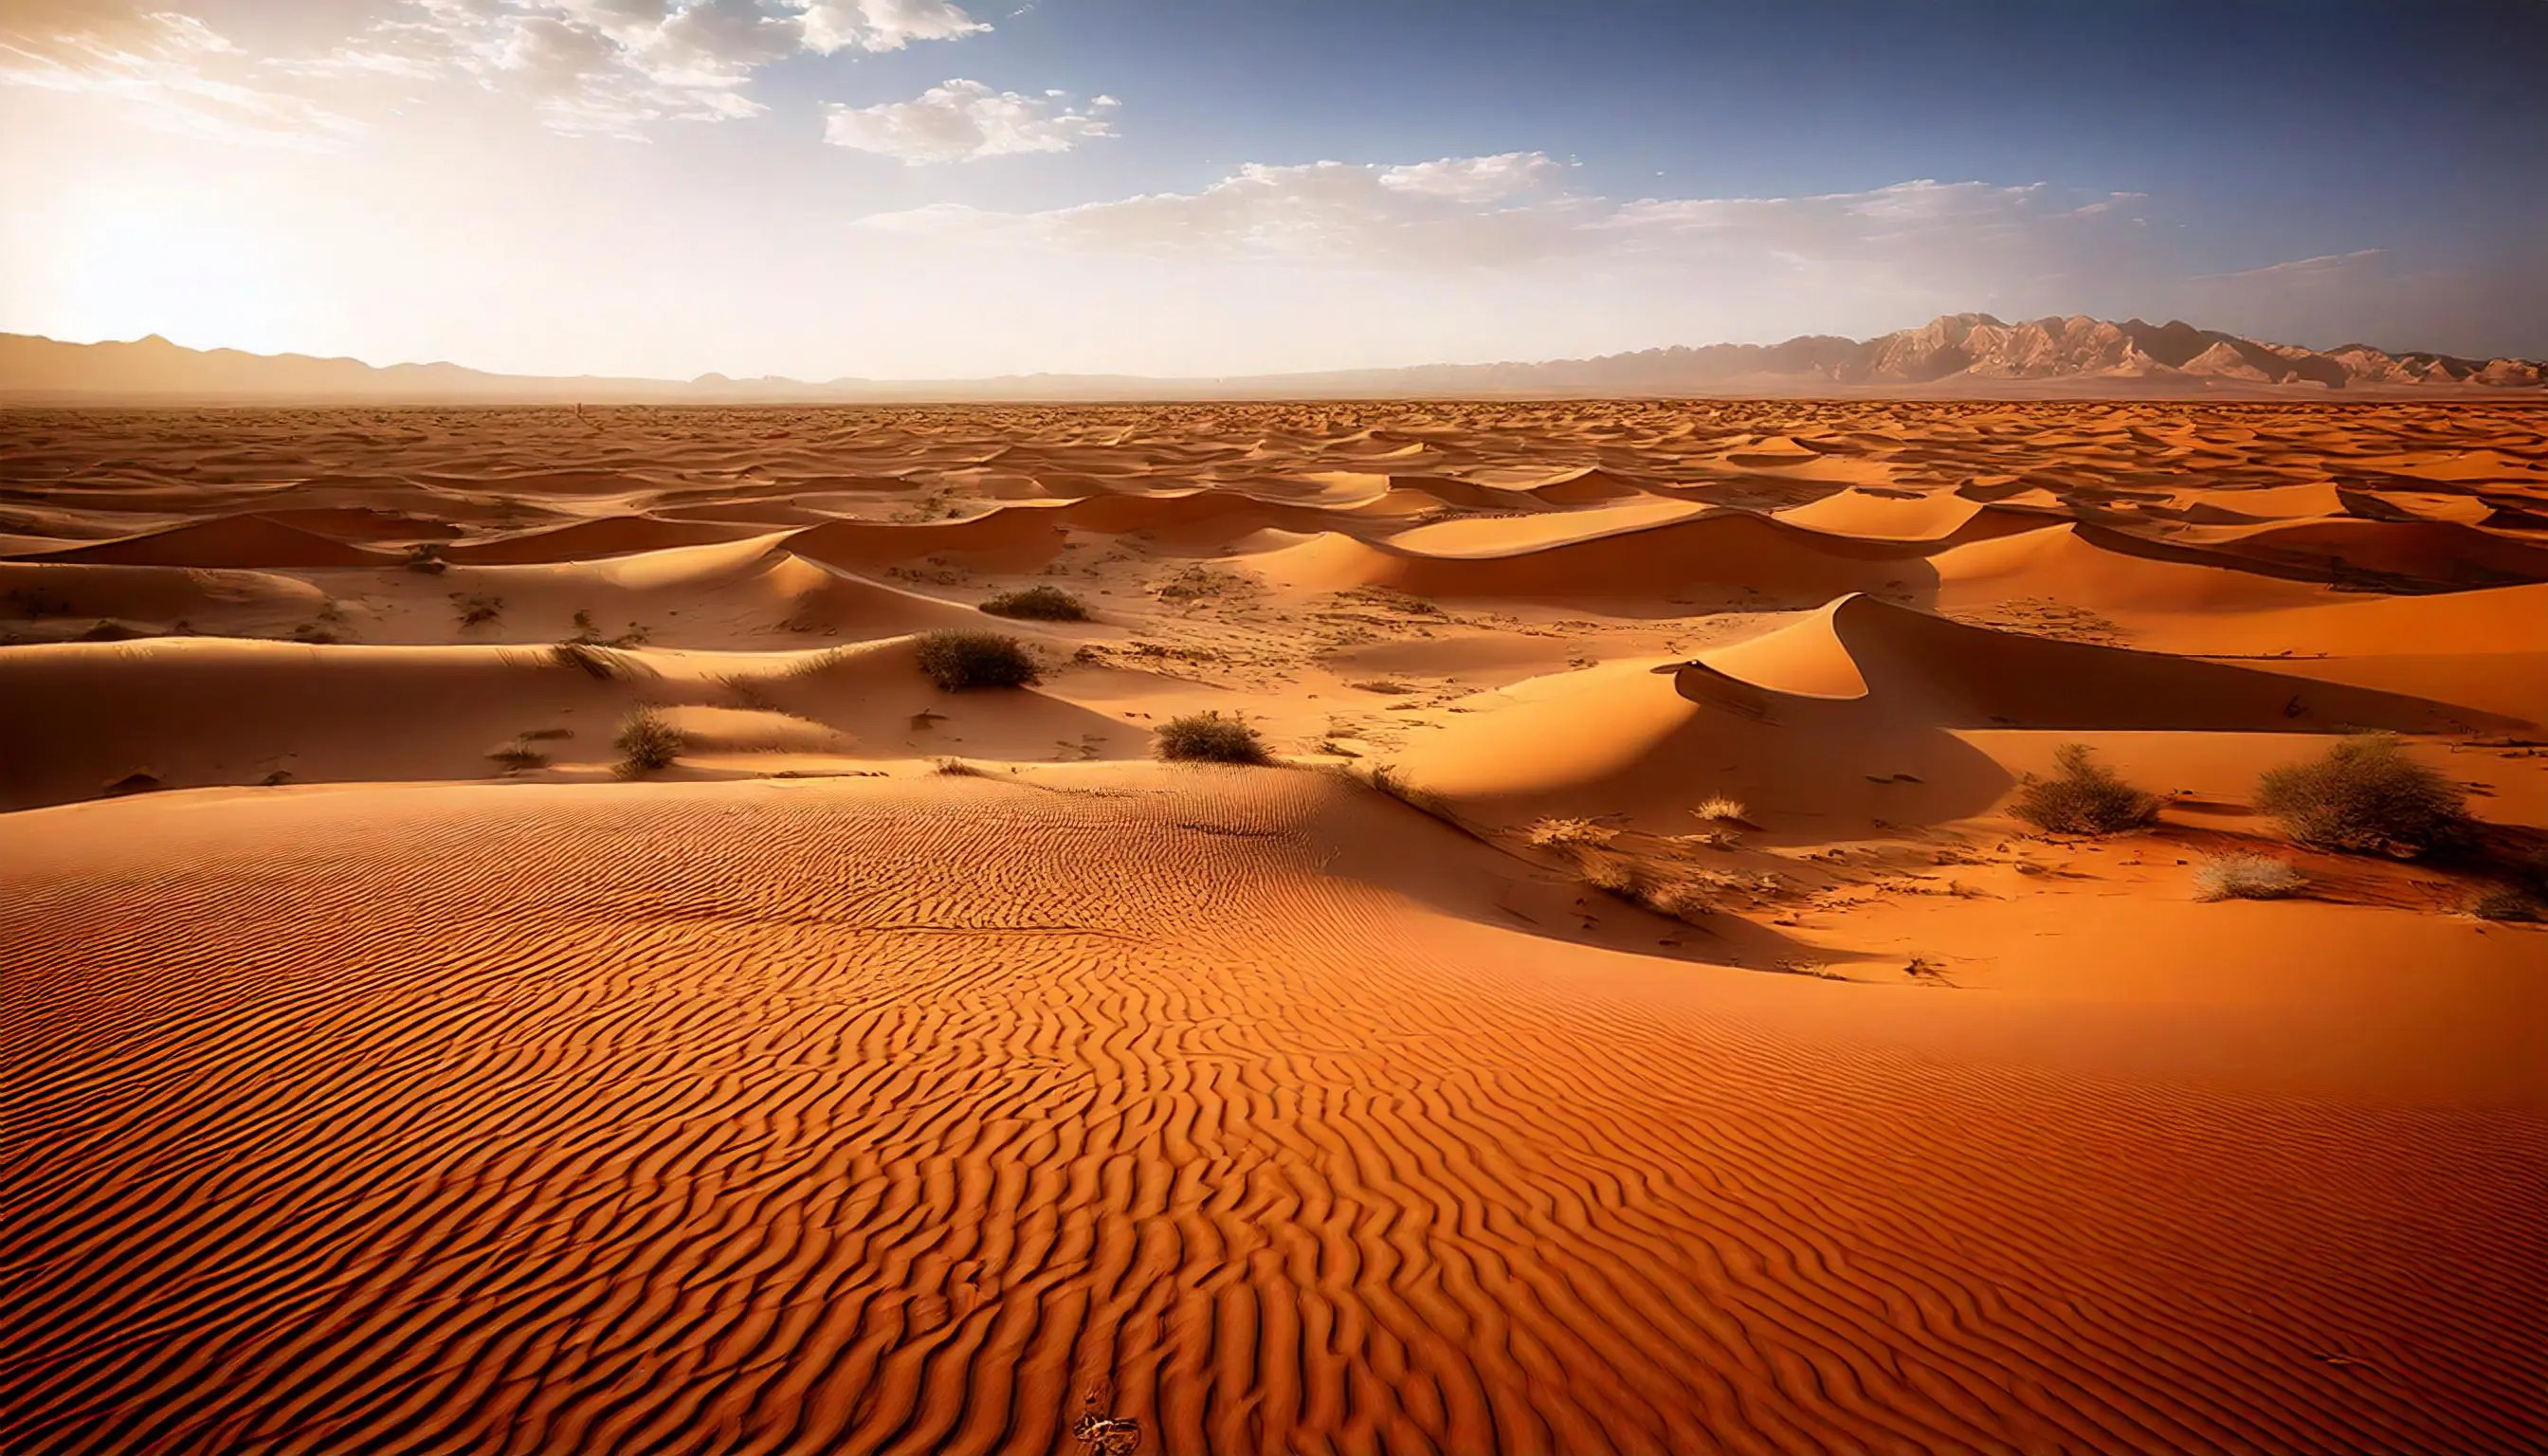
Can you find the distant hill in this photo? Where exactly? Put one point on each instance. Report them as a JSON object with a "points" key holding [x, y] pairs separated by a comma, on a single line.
{"points": [[1955, 354]]}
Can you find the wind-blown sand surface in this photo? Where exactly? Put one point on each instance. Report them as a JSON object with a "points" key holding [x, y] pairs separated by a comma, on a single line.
{"points": [[367, 1094]]}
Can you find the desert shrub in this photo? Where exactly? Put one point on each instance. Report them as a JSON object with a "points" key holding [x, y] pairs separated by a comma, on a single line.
{"points": [[1554, 834], [2085, 797], [1676, 899], [1681, 897], [955, 661], [2505, 902], [1390, 779], [2247, 877], [593, 661], [1038, 603], [956, 769], [2365, 796], [1610, 873], [1209, 738], [425, 556], [646, 742], [475, 608], [1721, 810], [518, 754]]}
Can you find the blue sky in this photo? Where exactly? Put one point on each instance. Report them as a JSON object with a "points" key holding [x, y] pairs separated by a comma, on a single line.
{"points": [[930, 188]]}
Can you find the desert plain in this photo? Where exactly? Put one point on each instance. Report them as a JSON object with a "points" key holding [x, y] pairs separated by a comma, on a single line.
{"points": [[1625, 1016]]}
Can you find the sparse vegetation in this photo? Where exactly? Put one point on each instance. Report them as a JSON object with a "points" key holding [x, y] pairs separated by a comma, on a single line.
{"points": [[1721, 810], [475, 608], [425, 556], [1209, 738], [2085, 797], [589, 636], [956, 769], [600, 662], [956, 661], [2365, 796], [1683, 897], [1038, 604], [1555, 834], [748, 692], [646, 742], [1711, 839], [1389, 685], [2247, 877], [1388, 781], [518, 754]]}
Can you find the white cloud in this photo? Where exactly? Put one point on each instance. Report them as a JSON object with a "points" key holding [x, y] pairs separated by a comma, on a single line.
{"points": [[964, 121], [882, 25], [171, 70], [1478, 179], [607, 68], [1458, 211], [1515, 210]]}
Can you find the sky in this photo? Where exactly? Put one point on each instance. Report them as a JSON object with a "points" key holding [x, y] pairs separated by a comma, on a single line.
{"points": [[928, 189]]}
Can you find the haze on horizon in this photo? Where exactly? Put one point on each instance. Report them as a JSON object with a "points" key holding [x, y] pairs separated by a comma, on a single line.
{"points": [[928, 189]]}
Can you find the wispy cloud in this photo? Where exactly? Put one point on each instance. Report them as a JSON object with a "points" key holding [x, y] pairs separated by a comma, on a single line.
{"points": [[964, 121], [601, 67], [1517, 209], [170, 70]]}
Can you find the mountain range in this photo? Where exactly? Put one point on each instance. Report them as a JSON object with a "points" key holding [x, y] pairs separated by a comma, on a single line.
{"points": [[1955, 354]]}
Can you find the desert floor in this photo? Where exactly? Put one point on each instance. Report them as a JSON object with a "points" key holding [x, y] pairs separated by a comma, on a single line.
{"points": [[386, 1073]]}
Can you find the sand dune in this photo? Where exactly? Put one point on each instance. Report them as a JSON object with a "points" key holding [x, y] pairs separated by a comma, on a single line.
{"points": [[731, 1121], [911, 1070], [1959, 675], [1719, 556], [592, 539], [238, 541]]}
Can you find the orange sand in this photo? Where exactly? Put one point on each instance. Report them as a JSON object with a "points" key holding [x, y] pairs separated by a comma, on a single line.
{"points": [[365, 1094]]}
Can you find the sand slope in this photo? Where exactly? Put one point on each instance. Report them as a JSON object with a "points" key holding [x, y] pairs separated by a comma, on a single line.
{"points": [[738, 1116]]}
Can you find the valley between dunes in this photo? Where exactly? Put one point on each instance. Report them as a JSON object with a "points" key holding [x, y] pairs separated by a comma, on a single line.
{"points": [[916, 1071]]}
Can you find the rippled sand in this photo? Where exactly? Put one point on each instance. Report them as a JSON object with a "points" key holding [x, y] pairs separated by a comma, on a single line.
{"points": [[367, 1093]]}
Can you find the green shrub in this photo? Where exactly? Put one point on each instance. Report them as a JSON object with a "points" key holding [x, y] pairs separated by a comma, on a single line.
{"points": [[2365, 796], [955, 661], [1209, 738], [646, 742], [2087, 797], [1041, 604]]}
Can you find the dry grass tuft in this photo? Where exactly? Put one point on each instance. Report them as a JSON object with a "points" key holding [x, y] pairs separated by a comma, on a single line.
{"points": [[646, 742], [1553, 834], [2365, 797], [1209, 738], [518, 754], [1721, 810], [599, 663], [1390, 780], [1681, 897], [957, 769], [1038, 604], [2247, 877], [2085, 797], [956, 661]]}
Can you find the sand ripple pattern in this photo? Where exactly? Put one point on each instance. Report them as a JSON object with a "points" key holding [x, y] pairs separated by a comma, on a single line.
{"points": [[821, 1117]]}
